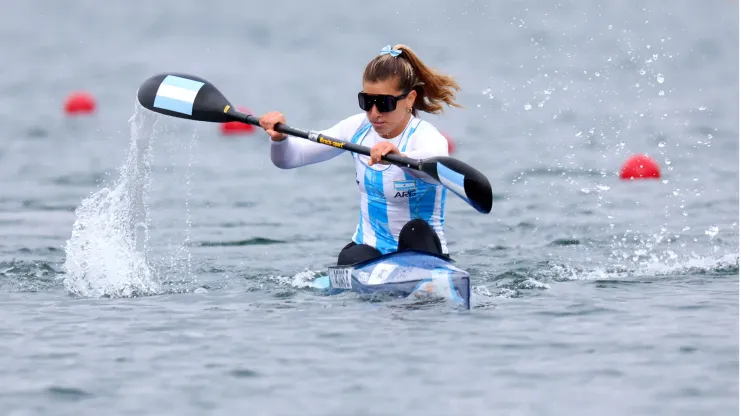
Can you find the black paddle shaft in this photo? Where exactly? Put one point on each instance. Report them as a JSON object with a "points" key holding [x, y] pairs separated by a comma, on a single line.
{"points": [[320, 138], [476, 185], [194, 98]]}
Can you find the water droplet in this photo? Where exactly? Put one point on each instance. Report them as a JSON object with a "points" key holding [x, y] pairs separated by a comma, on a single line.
{"points": [[660, 78], [661, 93], [712, 231], [642, 72]]}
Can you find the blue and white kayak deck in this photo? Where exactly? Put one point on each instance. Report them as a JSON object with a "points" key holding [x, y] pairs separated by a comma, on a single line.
{"points": [[412, 274]]}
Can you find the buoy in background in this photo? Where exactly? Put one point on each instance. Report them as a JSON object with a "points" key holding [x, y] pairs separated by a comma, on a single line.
{"points": [[640, 167], [234, 128], [450, 143], [79, 102]]}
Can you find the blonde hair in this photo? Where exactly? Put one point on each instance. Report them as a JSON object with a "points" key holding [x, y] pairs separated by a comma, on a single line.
{"points": [[432, 88]]}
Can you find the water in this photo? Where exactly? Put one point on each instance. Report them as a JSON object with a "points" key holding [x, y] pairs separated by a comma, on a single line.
{"points": [[591, 295]]}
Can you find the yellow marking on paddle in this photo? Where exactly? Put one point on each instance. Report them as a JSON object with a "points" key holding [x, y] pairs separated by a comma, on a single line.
{"points": [[226, 109], [331, 142]]}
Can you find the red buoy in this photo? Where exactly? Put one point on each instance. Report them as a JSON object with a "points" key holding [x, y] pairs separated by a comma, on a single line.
{"points": [[450, 144], [79, 102], [640, 167], [233, 128]]}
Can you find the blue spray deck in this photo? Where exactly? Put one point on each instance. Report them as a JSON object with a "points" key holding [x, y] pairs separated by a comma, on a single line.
{"points": [[405, 274]]}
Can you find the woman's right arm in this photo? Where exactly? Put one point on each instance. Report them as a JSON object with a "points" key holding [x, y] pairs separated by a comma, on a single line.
{"points": [[289, 152], [294, 152]]}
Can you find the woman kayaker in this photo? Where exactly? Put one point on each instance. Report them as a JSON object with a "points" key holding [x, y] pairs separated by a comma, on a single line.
{"points": [[400, 208]]}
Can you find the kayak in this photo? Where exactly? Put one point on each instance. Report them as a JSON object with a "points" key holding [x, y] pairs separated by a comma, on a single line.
{"points": [[409, 274]]}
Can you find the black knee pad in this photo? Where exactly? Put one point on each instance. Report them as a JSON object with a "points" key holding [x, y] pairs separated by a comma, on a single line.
{"points": [[357, 253], [417, 234], [417, 226]]}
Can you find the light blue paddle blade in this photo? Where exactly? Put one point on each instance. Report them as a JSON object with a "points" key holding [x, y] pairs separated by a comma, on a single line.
{"points": [[463, 180]]}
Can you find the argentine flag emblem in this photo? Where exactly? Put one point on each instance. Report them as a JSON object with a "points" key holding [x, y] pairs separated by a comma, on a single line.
{"points": [[177, 94]]}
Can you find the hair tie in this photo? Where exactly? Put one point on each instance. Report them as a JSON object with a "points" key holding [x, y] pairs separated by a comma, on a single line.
{"points": [[388, 51]]}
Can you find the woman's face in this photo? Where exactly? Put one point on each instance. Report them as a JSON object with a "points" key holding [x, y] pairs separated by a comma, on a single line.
{"points": [[392, 123]]}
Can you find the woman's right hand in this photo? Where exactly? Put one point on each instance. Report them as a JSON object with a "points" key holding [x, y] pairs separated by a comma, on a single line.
{"points": [[268, 122]]}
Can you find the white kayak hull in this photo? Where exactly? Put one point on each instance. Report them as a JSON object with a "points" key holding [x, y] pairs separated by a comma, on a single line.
{"points": [[410, 274]]}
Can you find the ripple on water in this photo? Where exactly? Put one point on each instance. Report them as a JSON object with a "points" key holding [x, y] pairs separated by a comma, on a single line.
{"points": [[244, 373], [65, 393]]}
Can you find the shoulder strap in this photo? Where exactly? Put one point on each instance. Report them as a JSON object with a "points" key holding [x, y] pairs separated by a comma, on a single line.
{"points": [[360, 132], [412, 130]]}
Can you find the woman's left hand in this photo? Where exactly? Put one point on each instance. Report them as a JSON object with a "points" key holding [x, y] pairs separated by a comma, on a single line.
{"points": [[381, 149]]}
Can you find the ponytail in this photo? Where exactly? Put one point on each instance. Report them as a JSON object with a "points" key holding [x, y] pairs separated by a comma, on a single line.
{"points": [[432, 88]]}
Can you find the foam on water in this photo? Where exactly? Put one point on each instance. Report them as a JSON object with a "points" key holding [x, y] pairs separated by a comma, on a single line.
{"points": [[107, 252], [639, 257], [301, 280]]}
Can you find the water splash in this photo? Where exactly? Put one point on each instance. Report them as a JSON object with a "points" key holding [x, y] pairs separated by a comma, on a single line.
{"points": [[180, 260], [301, 280], [28, 276], [106, 256], [652, 268]]}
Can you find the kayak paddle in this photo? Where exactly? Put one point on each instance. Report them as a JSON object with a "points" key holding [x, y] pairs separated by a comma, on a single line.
{"points": [[194, 98]]}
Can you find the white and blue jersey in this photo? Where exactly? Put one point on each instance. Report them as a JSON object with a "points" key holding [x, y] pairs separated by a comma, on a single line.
{"points": [[390, 196]]}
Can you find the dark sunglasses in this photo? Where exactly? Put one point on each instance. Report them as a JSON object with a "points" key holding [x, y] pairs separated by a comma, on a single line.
{"points": [[385, 103]]}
